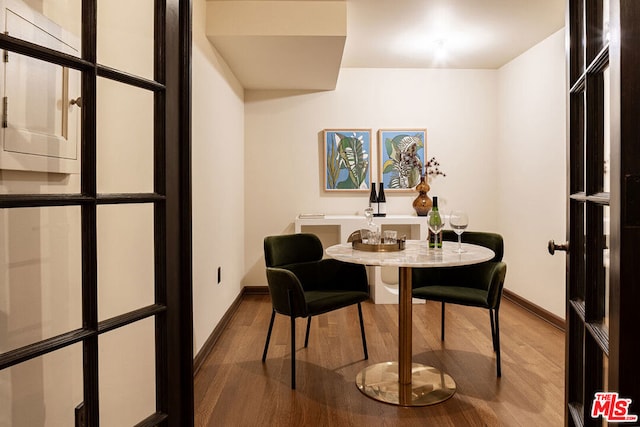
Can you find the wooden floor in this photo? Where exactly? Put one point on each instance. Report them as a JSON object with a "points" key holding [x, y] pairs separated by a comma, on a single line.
{"points": [[234, 387]]}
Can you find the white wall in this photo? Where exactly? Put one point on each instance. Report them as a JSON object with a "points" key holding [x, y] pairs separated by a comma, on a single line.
{"points": [[284, 135], [532, 182], [218, 181]]}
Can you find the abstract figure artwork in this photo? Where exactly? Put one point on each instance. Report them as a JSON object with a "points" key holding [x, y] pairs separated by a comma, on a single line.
{"points": [[401, 153]]}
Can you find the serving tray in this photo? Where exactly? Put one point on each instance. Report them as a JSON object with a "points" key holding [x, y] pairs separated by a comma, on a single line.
{"points": [[382, 247], [356, 241]]}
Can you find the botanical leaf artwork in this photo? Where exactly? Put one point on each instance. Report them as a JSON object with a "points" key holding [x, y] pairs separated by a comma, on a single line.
{"points": [[403, 159], [347, 160]]}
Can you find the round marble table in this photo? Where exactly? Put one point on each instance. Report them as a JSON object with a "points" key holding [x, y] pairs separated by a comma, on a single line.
{"points": [[403, 382]]}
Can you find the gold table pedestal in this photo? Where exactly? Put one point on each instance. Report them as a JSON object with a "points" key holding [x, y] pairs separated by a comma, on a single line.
{"points": [[405, 383], [428, 385]]}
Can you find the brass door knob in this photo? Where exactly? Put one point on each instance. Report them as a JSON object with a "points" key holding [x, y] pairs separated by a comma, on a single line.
{"points": [[553, 247], [77, 101]]}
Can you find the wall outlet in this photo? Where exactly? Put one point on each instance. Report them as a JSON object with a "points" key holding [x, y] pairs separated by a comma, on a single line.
{"points": [[219, 274]]}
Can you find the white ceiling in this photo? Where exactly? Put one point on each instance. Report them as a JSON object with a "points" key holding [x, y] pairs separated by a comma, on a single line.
{"points": [[472, 33], [383, 34]]}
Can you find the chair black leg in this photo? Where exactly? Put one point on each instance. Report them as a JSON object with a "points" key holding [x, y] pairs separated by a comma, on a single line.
{"points": [[293, 343], [442, 323], [364, 339], [266, 344], [493, 329], [293, 353], [306, 336], [498, 363]]}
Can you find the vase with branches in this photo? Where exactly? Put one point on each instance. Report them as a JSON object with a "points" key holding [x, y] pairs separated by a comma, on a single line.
{"points": [[423, 203]]}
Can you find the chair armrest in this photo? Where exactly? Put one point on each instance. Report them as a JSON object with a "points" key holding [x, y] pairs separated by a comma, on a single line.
{"points": [[496, 278], [344, 276], [287, 294]]}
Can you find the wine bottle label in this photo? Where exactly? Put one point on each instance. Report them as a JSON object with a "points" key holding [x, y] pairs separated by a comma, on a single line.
{"points": [[382, 208]]}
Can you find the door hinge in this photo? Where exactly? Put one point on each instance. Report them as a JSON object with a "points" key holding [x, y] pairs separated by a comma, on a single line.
{"points": [[5, 112], [81, 415]]}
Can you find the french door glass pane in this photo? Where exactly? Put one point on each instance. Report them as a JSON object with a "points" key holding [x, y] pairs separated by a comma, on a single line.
{"points": [[584, 157], [125, 138], [605, 262], [577, 144], [55, 24], [125, 259], [598, 25], [577, 36], [576, 369], [40, 274], [607, 132], [43, 391], [605, 373], [578, 242], [126, 35], [605, 20], [127, 375]]}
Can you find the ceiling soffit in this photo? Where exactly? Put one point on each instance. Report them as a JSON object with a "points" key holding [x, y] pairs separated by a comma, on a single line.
{"points": [[280, 44]]}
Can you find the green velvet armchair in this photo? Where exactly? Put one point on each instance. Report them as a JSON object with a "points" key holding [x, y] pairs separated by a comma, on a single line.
{"points": [[302, 284], [478, 285]]}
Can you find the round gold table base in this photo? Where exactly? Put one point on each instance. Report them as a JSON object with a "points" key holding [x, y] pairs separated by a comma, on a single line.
{"points": [[428, 385]]}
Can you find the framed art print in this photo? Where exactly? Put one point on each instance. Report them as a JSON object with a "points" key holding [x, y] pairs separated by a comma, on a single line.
{"points": [[401, 154], [347, 165]]}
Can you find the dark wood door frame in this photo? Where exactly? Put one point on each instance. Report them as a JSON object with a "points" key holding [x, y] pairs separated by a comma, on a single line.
{"points": [[179, 297], [601, 356]]}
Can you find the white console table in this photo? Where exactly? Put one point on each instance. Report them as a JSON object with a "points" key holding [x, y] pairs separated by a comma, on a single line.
{"points": [[383, 281]]}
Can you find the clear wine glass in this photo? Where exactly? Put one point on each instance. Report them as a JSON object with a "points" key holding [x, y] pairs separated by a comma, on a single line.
{"points": [[459, 220], [373, 230]]}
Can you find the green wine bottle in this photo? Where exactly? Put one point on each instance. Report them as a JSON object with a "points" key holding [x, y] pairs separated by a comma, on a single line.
{"points": [[435, 223]]}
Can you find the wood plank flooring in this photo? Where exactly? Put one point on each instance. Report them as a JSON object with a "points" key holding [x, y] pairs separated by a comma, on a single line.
{"points": [[234, 387]]}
